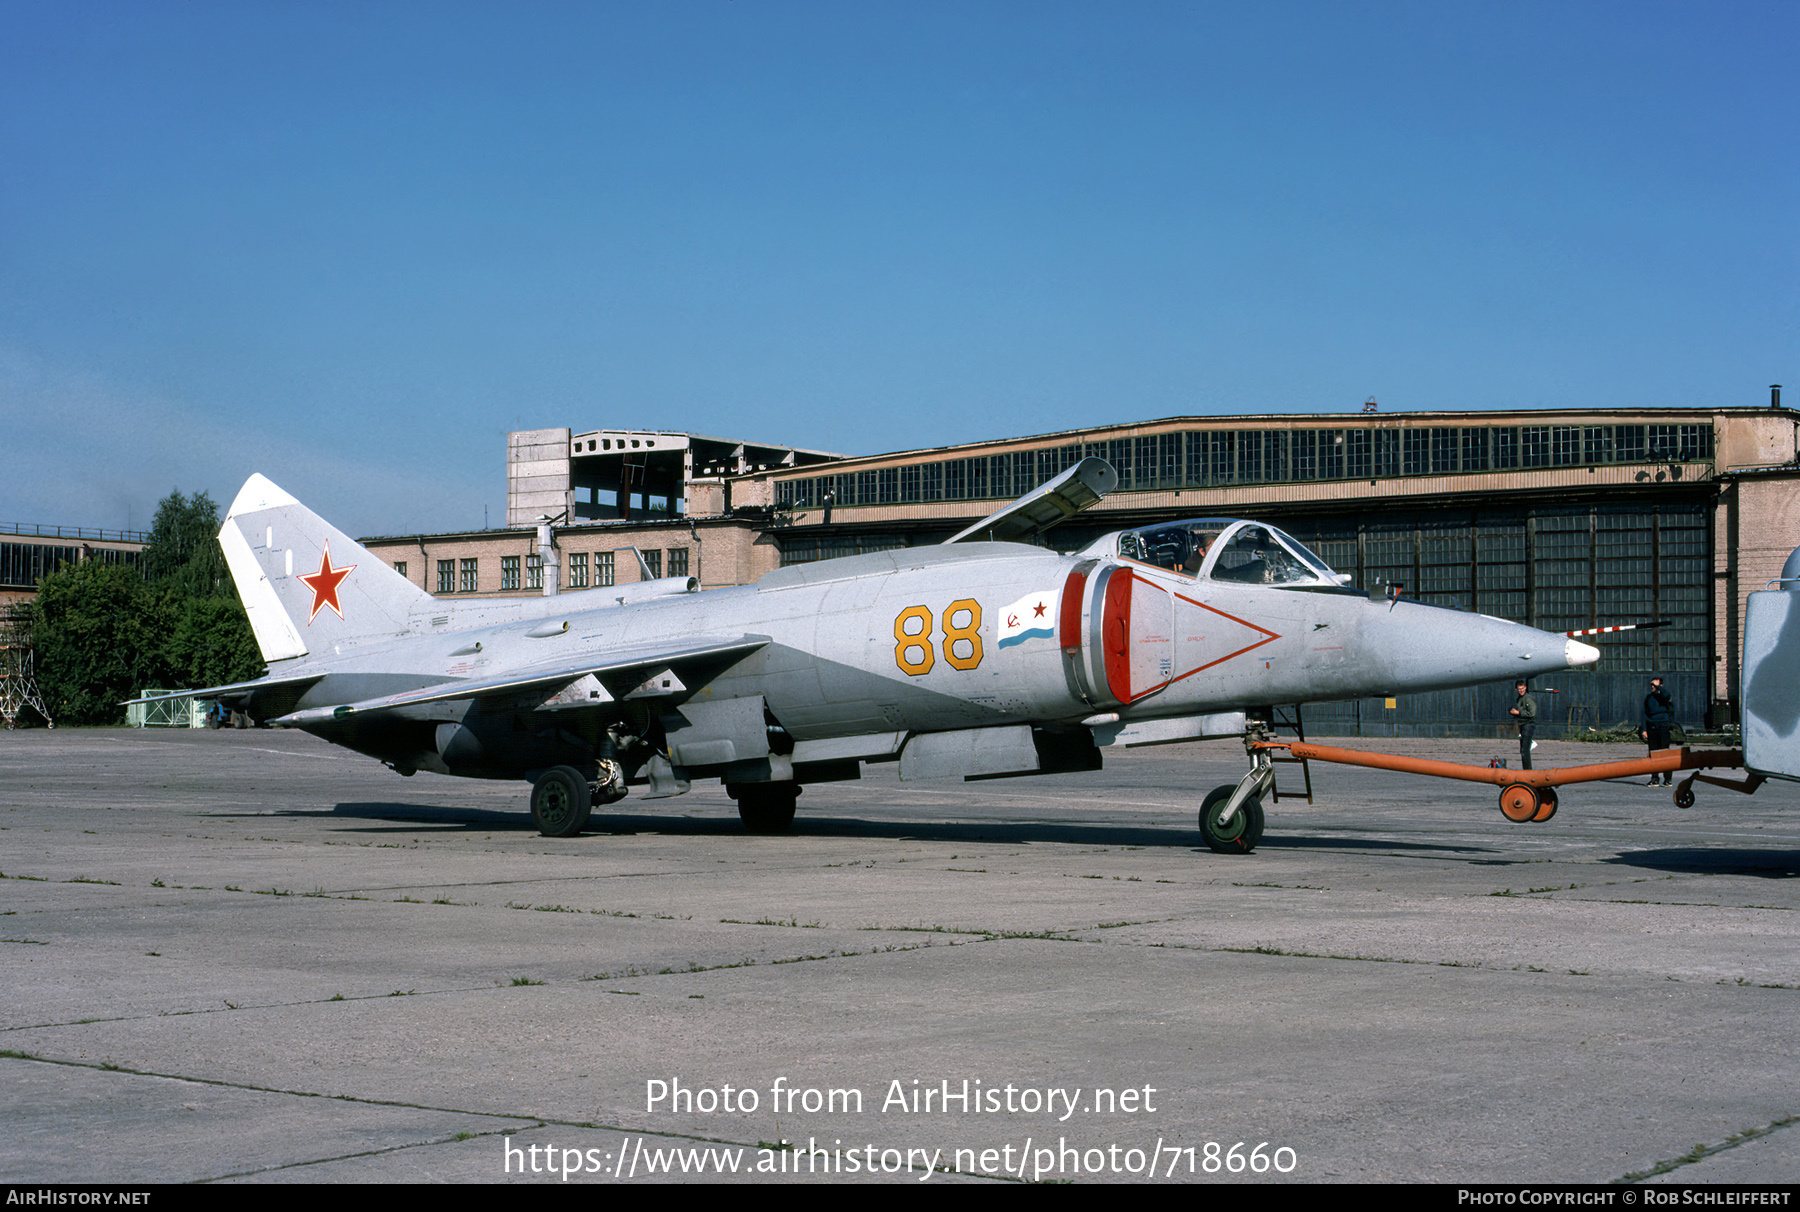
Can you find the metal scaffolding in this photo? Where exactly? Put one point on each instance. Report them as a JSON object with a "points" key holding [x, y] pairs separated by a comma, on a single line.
{"points": [[18, 682]]}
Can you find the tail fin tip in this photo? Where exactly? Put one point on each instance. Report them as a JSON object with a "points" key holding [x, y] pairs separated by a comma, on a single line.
{"points": [[259, 492]]}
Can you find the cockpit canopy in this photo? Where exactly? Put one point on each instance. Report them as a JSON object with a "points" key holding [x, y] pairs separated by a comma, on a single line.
{"points": [[1228, 549]]}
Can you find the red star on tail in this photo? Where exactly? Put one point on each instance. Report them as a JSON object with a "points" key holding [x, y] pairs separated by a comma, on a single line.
{"points": [[324, 585]]}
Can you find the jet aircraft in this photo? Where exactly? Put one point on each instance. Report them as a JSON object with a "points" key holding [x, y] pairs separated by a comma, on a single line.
{"points": [[982, 657]]}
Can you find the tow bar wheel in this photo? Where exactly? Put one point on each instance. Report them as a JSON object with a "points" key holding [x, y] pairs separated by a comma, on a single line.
{"points": [[1519, 803]]}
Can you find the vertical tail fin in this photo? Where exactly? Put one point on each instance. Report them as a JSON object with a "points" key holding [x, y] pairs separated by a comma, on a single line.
{"points": [[305, 584]]}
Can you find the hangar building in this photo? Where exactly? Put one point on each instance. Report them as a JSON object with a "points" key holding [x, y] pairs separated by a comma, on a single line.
{"points": [[1564, 519]]}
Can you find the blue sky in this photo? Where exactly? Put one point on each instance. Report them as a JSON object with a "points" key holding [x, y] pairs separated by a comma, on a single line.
{"points": [[351, 245]]}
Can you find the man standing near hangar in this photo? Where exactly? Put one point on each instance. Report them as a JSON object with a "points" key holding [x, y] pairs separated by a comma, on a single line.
{"points": [[1659, 717], [1525, 711]]}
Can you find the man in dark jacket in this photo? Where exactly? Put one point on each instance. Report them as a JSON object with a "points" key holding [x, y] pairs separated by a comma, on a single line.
{"points": [[1659, 717], [1525, 711]]}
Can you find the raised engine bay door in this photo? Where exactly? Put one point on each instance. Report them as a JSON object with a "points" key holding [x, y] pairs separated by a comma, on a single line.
{"points": [[1137, 635]]}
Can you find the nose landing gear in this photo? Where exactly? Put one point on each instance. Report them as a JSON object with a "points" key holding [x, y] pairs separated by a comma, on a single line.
{"points": [[1231, 817], [1240, 832]]}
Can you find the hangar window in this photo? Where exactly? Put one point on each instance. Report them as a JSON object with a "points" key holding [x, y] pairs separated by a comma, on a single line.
{"points": [[1250, 457], [1474, 449], [1222, 446], [1443, 450], [1146, 459], [1331, 454], [981, 480], [509, 572], [1506, 448], [1119, 455], [534, 571], [1171, 444], [1597, 444], [1196, 457], [1305, 453], [653, 562], [1534, 441], [1413, 451], [446, 576], [471, 580], [1565, 445], [999, 476], [678, 561], [578, 568], [400, 567], [1387, 452], [603, 568]]}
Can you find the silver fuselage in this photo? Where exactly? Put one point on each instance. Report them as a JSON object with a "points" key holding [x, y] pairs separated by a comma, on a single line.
{"points": [[928, 640]]}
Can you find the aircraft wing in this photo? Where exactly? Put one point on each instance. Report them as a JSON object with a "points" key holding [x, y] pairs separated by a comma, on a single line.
{"points": [[226, 691], [588, 681]]}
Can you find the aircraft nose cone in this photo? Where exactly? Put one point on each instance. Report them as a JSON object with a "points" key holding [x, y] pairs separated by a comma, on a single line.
{"points": [[1576, 653], [1426, 648]]}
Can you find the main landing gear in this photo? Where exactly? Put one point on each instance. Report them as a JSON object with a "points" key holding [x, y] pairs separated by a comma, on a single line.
{"points": [[560, 802], [562, 797], [766, 808]]}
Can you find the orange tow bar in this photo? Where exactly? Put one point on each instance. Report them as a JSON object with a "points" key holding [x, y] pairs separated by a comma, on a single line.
{"points": [[1530, 795]]}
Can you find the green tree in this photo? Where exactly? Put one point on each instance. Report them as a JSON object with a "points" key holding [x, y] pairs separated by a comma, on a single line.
{"points": [[210, 643], [183, 555], [98, 631], [104, 631]]}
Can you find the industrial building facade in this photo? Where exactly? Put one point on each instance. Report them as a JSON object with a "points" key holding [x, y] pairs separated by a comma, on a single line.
{"points": [[29, 553], [1562, 519]]}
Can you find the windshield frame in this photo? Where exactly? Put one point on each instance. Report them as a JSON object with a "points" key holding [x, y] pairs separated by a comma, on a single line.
{"points": [[1294, 566]]}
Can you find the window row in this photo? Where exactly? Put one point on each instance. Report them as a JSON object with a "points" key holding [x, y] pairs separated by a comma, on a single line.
{"points": [[1206, 458], [23, 564], [585, 570]]}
